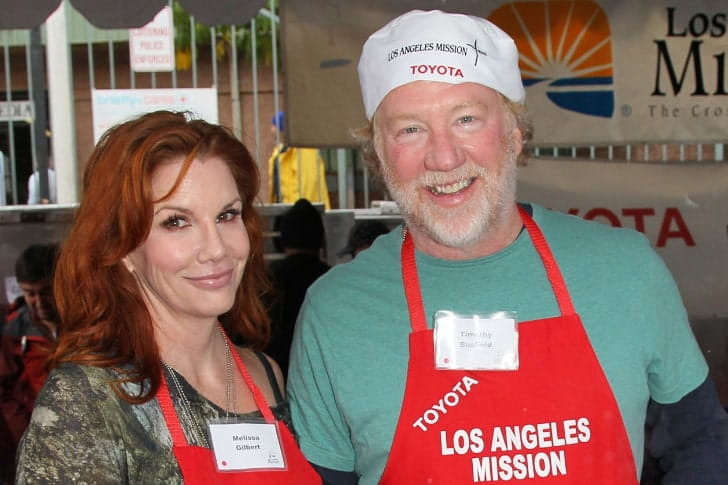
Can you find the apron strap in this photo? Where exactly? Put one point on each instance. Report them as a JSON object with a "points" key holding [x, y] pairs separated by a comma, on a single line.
{"points": [[170, 415], [552, 269], [257, 394], [411, 284]]}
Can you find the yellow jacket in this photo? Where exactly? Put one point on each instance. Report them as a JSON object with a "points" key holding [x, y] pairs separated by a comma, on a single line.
{"points": [[302, 175]]}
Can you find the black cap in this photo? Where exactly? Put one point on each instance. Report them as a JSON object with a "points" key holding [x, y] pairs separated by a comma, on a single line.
{"points": [[362, 235]]}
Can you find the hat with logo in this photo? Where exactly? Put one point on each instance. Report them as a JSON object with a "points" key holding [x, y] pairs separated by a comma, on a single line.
{"points": [[438, 46]]}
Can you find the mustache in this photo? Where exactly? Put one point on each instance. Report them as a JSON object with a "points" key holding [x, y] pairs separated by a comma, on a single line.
{"points": [[463, 172]]}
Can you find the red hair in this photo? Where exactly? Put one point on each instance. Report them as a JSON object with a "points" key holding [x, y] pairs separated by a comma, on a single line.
{"points": [[104, 320]]}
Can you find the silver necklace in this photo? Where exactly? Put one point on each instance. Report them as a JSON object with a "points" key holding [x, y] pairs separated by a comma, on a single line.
{"points": [[229, 389], [201, 437]]}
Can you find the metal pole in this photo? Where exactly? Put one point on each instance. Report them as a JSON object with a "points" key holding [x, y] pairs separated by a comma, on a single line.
{"points": [[213, 55], [274, 48], [62, 103], [38, 95], [343, 184], [174, 51], [90, 56], [234, 83], [11, 125], [256, 108], [365, 176], [112, 70], [193, 49]]}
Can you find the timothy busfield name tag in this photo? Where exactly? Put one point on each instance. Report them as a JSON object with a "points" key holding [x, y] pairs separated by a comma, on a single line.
{"points": [[246, 446], [476, 341]]}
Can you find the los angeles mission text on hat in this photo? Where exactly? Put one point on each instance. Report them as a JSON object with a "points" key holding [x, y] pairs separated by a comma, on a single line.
{"points": [[428, 46]]}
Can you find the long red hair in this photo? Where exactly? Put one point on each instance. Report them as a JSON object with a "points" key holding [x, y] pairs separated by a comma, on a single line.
{"points": [[104, 320]]}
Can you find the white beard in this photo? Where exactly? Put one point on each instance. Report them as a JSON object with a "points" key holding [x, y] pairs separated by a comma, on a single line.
{"points": [[467, 223]]}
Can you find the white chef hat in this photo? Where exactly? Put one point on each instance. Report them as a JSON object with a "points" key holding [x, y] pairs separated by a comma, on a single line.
{"points": [[437, 46]]}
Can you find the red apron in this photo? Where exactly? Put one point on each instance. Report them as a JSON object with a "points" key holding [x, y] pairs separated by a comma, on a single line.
{"points": [[554, 420], [197, 463]]}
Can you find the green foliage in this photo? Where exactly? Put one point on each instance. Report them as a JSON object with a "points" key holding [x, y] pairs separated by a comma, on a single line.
{"points": [[223, 38]]}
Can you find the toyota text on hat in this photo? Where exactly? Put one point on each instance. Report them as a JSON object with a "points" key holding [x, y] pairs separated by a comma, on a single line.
{"points": [[438, 46]]}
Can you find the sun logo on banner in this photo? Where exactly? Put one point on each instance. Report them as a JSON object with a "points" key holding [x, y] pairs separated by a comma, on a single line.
{"points": [[565, 43]]}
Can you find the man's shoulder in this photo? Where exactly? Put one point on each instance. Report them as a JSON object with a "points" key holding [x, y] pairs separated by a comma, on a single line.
{"points": [[581, 243], [557, 225], [20, 324]]}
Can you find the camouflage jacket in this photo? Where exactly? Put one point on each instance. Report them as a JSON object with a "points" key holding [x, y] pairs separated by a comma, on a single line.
{"points": [[82, 432]]}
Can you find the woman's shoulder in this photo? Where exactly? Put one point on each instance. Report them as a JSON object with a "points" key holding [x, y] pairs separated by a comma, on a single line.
{"points": [[72, 382], [72, 395], [77, 378], [266, 373]]}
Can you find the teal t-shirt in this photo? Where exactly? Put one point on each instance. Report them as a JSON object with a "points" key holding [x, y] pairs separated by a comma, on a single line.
{"points": [[350, 351]]}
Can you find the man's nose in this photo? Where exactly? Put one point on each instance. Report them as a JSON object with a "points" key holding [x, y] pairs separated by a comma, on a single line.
{"points": [[444, 152]]}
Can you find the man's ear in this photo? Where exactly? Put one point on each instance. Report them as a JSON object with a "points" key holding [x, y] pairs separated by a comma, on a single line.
{"points": [[517, 138]]}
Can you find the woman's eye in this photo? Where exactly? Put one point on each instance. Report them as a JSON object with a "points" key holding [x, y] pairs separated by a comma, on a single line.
{"points": [[175, 222], [229, 215], [467, 119]]}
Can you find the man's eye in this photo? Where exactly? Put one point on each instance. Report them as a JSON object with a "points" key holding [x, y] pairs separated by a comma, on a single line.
{"points": [[466, 119]]}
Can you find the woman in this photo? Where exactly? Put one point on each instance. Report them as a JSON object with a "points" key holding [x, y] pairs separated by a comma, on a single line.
{"points": [[145, 380]]}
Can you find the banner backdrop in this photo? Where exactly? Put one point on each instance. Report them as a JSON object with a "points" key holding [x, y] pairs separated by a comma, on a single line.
{"points": [[681, 208], [596, 71]]}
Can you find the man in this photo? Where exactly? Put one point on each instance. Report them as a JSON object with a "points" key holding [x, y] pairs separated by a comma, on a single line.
{"points": [[302, 239], [34, 196], [295, 173], [361, 235], [551, 333], [23, 348]]}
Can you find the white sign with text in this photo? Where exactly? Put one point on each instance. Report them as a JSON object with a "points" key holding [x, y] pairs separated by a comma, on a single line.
{"points": [[151, 48], [113, 106]]}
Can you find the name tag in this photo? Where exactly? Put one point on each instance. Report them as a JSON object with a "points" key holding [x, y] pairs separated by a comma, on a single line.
{"points": [[246, 446], [476, 342]]}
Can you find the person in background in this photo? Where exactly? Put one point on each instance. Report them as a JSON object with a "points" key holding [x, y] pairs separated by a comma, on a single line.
{"points": [[163, 263], [295, 173], [3, 181], [302, 239], [34, 186], [488, 339], [361, 235], [26, 338]]}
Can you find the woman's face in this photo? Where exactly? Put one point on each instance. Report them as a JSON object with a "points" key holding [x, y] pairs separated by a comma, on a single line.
{"points": [[192, 262]]}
